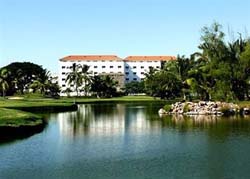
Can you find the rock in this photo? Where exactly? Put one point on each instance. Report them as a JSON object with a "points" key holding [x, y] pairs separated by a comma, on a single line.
{"points": [[162, 111], [204, 108]]}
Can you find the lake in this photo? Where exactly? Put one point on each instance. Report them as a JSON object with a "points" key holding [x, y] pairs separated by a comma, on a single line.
{"points": [[130, 140]]}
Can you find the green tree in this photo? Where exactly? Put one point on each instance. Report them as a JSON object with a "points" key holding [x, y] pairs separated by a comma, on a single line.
{"points": [[75, 77], [134, 87], [22, 75], [4, 74], [42, 82], [86, 78], [103, 86], [163, 84]]}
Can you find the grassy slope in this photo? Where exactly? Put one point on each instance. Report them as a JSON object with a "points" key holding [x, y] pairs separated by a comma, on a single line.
{"points": [[42, 102], [16, 118]]}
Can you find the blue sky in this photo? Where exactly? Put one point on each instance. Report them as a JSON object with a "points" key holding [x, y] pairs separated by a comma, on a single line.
{"points": [[42, 31]]}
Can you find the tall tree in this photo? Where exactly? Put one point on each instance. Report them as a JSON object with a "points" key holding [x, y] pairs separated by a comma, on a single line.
{"points": [[86, 79], [103, 86], [75, 77], [4, 75]]}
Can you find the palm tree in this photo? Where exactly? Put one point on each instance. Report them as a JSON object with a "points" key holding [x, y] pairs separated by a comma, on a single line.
{"points": [[75, 77], [85, 76], [103, 86], [110, 86], [4, 74], [42, 83]]}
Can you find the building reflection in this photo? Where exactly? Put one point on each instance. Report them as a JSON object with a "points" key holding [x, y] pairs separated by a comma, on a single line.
{"points": [[105, 120], [118, 119]]}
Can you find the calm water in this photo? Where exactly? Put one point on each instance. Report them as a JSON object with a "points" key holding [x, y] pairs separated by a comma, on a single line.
{"points": [[130, 141]]}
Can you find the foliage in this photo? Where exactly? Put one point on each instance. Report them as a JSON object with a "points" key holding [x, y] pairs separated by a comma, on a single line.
{"points": [[21, 76], [163, 84], [103, 86], [167, 108], [4, 85], [219, 71], [134, 87]]}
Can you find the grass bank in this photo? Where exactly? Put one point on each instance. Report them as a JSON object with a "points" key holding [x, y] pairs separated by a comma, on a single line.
{"points": [[16, 124], [65, 103], [16, 118]]}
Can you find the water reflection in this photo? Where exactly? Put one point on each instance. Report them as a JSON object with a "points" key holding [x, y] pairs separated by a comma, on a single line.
{"points": [[117, 119], [106, 119]]}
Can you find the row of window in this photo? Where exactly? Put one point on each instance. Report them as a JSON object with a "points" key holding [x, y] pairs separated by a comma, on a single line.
{"points": [[127, 79], [134, 79], [109, 66], [127, 73], [127, 67], [64, 73]]}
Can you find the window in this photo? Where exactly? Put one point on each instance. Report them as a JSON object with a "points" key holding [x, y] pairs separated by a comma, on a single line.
{"points": [[127, 79], [103, 66], [63, 67], [63, 85], [127, 73], [95, 73], [134, 79], [95, 66], [157, 67], [63, 79], [127, 67], [142, 73], [134, 73], [63, 73], [111, 66], [134, 66], [142, 67], [119, 66]]}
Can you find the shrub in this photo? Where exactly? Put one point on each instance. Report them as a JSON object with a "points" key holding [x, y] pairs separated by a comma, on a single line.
{"points": [[227, 111], [167, 108], [186, 108]]}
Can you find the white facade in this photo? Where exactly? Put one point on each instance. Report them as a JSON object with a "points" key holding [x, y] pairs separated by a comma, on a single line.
{"points": [[133, 67], [136, 70]]}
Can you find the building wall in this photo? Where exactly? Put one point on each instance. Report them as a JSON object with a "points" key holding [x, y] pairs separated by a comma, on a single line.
{"points": [[136, 70], [95, 68], [129, 70]]}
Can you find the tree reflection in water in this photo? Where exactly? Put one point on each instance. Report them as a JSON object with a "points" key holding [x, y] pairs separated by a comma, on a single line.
{"points": [[119, 118], [216, 126]]}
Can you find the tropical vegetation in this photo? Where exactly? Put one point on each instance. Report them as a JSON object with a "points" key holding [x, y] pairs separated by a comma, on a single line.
{"points": [[220, 70]]}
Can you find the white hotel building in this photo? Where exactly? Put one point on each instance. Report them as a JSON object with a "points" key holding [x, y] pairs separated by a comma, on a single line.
{"points": [[132, 68]]}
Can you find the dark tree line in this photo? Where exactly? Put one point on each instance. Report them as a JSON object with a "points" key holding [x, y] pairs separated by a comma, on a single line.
{"points": [[21, 77]]}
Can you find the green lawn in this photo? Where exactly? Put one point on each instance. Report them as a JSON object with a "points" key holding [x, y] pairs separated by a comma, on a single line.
{"points": [[42, 102], [17, 118]]}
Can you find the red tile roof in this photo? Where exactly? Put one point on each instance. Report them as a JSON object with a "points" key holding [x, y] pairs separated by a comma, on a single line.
{"points": [[90, 57], [116, 58], [149, 58]]}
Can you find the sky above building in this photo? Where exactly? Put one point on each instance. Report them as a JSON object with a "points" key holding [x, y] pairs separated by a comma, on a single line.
{"points": [[42, 31]]}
